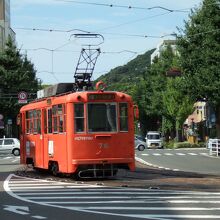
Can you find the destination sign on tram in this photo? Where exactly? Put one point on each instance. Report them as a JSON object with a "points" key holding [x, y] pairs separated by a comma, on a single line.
{"points": [[101, 97]]}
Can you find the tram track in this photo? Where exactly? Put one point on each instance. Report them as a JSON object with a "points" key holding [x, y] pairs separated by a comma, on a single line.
{"points": [[143, 177]]}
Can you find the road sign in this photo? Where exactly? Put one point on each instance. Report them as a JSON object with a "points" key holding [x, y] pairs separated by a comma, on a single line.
{"points": [[22, 97]]}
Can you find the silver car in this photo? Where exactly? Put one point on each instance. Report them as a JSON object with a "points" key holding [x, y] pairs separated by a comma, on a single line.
{"points": [[139, 144], [10, 145]]}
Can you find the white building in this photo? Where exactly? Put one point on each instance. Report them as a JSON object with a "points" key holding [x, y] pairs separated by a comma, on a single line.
{"points": [[5, 23], [162, 46]]}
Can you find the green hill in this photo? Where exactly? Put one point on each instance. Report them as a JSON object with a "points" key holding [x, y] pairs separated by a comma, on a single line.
{"points": [[123, 78]]}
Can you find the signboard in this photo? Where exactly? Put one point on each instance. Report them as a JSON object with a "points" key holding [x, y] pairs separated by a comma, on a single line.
{"points": [[22, 97]]}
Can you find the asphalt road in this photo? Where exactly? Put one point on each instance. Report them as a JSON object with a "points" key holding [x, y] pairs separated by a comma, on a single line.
{"points": [[24, 197], [189, 160]]}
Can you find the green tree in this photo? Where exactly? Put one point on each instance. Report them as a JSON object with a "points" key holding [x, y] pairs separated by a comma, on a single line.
{"points": [[165, 99], [17, 74], [177, 106], [156, 81], [199, 49]]}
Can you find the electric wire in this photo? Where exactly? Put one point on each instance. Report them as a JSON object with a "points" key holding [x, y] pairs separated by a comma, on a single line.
{"points": [[123, 6]]}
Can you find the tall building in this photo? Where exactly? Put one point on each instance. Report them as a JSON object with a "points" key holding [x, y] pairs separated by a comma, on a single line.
{"points": [[5, 23]]}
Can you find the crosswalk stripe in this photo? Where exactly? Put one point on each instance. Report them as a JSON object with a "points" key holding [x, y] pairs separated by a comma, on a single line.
{"points": [[151, 208], [176, 216], [168, 154], [193, 154], [180, 154], [128, 202], [173, 154]]}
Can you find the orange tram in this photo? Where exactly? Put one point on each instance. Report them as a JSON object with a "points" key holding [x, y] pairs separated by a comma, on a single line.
{"points": [[86, 133]]}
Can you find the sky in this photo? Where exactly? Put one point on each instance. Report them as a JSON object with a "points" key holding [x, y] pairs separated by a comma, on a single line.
{"points": [[127, 32]]}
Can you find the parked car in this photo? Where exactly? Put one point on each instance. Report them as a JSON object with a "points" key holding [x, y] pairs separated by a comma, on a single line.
{"points": [[139, 144], [154, 139], [10, 145], [141, 138]]}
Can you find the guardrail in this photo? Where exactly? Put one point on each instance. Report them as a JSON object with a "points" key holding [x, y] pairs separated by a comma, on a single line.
{"points": [[214, 147]]}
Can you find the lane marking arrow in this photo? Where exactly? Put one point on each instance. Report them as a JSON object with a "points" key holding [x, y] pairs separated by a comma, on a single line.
{"points": [[22, 210]]}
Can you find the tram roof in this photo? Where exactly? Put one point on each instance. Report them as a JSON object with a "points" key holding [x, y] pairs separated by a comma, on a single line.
{"points": [[79, 96]]}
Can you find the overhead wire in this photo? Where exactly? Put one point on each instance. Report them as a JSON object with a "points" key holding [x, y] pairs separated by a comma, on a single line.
{"points": [[168, 11], [123, 6], [107, 33]]}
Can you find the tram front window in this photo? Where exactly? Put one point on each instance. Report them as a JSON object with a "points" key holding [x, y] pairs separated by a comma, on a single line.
{"points": [[102, 117]]}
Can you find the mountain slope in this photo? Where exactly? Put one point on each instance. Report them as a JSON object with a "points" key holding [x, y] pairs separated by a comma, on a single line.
{"points": [[123, 78]]}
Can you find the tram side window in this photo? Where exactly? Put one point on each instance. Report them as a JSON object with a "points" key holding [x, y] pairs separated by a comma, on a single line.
{"points": [[49, 121], [38, 121], [59, 118], [79, 117], [33, 122], [123, 116], [54, 116], [29, 122], [45, 120]]}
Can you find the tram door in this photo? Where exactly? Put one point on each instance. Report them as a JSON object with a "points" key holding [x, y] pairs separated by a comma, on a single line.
{"points": [[38, 144], [47, 121]]}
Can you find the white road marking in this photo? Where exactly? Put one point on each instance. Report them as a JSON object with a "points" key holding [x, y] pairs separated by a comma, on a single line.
{"points": [[193, 154], [172, 154], [176, 216], [152, 208], [38, 217], [204, 154], [126, 202], [124, 197], [168, 154], [5, 158], [175, 169], [15, 160], [180, 154], [21, 210], [156, 154]]}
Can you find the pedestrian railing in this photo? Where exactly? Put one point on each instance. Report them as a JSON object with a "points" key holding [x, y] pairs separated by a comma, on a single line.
{"points": [[214, 147]]}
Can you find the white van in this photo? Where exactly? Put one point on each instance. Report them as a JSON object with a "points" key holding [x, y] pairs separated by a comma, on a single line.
{"points": [[10, 146], [154, 139]]}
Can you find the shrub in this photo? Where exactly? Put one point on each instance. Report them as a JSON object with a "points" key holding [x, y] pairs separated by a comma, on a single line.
{"points": [[182, 145], [172, 144]]}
